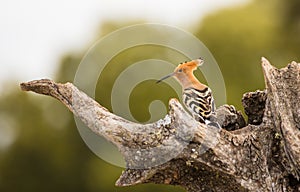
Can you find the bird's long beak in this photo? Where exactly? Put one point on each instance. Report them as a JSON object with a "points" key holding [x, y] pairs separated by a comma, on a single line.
{"points": [[165, 77]]}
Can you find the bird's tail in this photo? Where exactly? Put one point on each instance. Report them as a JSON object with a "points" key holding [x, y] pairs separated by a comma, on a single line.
{"points": [[213, 122]]}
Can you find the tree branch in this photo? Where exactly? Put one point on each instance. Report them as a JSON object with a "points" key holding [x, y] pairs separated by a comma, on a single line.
{"points": [[177, 150]]}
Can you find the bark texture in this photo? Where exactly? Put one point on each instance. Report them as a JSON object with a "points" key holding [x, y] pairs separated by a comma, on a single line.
{"points": [[262, 155]]}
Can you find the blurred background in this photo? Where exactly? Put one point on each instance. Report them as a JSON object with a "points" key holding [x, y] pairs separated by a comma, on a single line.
{"points": [[40, 147]]}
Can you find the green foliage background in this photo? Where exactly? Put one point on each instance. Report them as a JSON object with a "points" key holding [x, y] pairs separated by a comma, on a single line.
{"points": [[48, 154]]}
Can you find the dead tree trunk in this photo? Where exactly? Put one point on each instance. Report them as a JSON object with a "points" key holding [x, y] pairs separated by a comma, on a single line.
{"points": [[262, 156]]}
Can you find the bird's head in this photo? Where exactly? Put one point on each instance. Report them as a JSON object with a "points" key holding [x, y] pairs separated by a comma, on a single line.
{"points": [[183, 71]]}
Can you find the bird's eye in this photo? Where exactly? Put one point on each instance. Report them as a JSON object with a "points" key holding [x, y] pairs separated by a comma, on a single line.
{"points": [[180, 70]]}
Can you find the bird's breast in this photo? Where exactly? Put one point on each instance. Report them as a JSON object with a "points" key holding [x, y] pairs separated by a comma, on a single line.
{"points": [[198, 102]]}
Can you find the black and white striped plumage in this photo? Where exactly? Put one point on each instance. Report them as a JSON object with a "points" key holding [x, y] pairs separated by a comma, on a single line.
{"points": [[200, 104]]}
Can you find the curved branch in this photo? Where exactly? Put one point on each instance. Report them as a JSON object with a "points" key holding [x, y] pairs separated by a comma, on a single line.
{"points": [[180, 151]]}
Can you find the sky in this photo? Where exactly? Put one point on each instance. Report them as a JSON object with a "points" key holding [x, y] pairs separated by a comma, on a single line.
{"points": [[35, 34]]}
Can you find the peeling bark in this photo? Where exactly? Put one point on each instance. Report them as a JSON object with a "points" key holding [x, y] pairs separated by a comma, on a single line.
{"points": [[263, 155]]}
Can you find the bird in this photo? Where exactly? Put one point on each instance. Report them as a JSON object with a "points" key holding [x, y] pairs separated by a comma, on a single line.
{"points": [[196, 96]]}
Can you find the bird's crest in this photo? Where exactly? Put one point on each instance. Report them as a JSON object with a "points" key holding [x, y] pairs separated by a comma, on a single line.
{"points": [[189, 66], [184, 68]]}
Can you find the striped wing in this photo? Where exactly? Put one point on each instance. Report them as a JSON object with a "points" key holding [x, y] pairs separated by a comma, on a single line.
{"points": [[199, 102]]}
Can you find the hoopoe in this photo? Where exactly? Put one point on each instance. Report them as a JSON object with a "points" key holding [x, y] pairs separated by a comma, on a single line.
{"points": [[196, 97]]}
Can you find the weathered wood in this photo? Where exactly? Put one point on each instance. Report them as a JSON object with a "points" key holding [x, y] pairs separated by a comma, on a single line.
{"points": [[262, 156]]}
